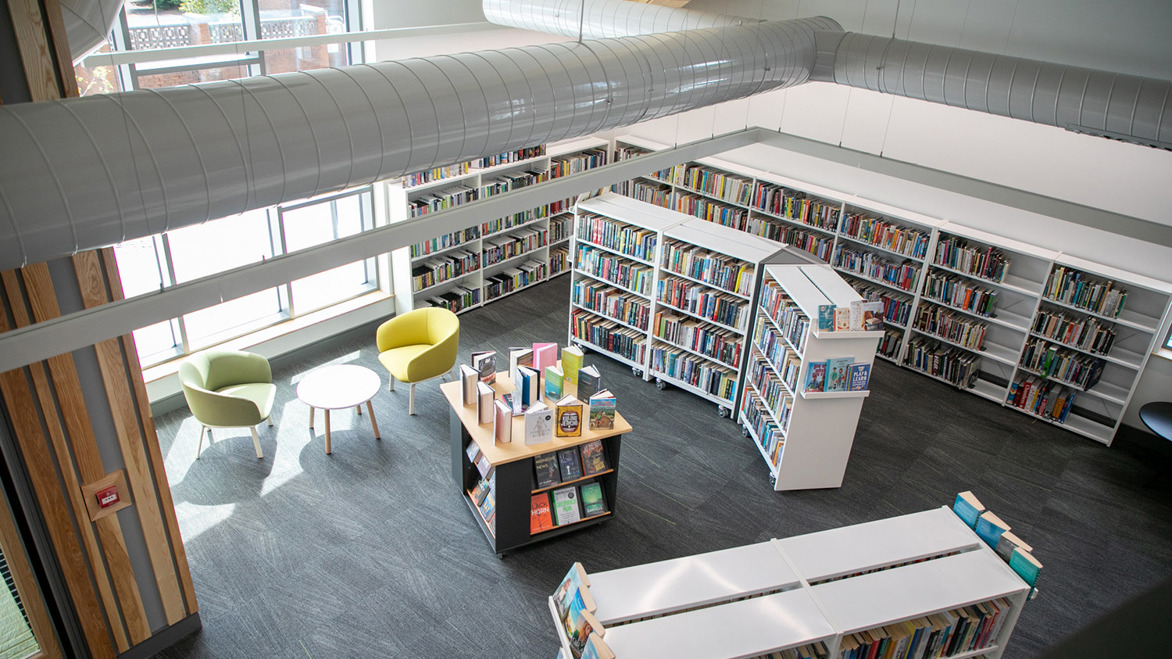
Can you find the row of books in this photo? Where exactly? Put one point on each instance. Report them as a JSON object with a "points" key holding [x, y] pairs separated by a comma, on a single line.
{"points": [[1089, 334], [435, 174], [788, 316], [608, 335], [896, 308], [615, 269], [890, 344], [1081, 290], [653, 193], [609, 301], [564, 165], [701, 373], [998, 535], [944, 634], [438, 269], [858, 316], [954, 326], [984, 262], [559, 227], [713, 342], [771, 390], [960, 293], [1049, 360], [569, 464], [954, 365], [730, 188], [511, 279], [565, 505], [559, 260], [1042, 397], [821, 246], [516, 155], [500, 248], [515, 220], [769, 435], [702, 301], [575, 609], [724, 272], [810, 651], [884, 233], [446, 241], [483, 494], [868, 264], [796, 206], [443, 199], [840, 374], [501, 183], [633, 241], [457, 299], [712, 211], [785, 361]]}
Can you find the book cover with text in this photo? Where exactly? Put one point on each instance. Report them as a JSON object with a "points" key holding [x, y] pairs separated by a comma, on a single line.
{"points": [[572, 357], [825, 317], [603, 409], [860, 376], [593, 458], [838, 373], [547, 471], [815, 376]]}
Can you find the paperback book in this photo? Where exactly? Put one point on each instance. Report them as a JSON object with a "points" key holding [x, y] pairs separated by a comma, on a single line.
{"points": [[596, 648], [569, 417], [990, 527], [502, 423], [837, 373], [815, 376], [540, 515], [484, 403], [569, 464], [468, 379], [485, 363], [538, 424], [528, 386], [544, 354], [554, 382], [968, 508], [1007, 543], [825, 317], [593, 458], [572, 357], [1025, 565], [580, 626], [565, 506], [593, 504], [519, 357], [842, 319], [589, 382], [860, 376], [576, 581], [602, 410], [480, 491], [547, 470]]}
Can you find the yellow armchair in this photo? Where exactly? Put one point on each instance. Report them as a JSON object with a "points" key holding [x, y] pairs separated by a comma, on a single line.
{"points": [[228, 389], [418, 345]]}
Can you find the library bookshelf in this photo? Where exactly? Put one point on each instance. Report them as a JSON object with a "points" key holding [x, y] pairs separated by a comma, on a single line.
{"points": [[804, 436], [826, 588], [667, 294], [962, 306], [514, 481], [475, 265]]}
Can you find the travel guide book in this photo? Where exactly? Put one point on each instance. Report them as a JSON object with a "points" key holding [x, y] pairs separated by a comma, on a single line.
{"points": [[602, 410]]}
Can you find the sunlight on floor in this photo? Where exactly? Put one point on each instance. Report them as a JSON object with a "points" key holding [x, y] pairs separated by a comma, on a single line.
{"points": [[195, 519]]}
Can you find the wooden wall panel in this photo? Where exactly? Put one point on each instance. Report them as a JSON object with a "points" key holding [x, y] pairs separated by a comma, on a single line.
{"points": [[35, 49]]}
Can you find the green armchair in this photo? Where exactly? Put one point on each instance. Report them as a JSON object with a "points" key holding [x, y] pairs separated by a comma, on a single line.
{"points": [[418, 345], [228, 389]]}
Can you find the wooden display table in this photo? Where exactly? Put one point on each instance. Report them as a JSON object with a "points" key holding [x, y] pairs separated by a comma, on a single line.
{"points": [[513, 462]]}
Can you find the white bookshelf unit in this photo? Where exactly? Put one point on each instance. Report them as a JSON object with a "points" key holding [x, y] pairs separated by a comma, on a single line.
{"points": [[804, 436], [961, 305], [667, 294], [473, 266], [825, 588]]}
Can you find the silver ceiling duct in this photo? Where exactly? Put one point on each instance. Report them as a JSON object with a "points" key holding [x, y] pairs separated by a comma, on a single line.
{"points": [[600, 19], [78, 174]]}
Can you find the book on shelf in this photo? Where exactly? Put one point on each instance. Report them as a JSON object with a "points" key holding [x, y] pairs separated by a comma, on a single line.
{"points": [[837, 373], [589, 381], [826, 317], [472, 450], [540, 515], [554, 382], [468, 379], [593, 504], [565, 505], [968, 508], [528, 386], [990, 527], [570, 463], [860, 376], [1025, 565], [502, 423], [596, 648], [484, 403], [593, 458], [568, 412], [487, 506], [484, 466], [870, 316], [1009, 542], [545, 467], [480, 491], [580, 625], [842, 319], [538, 424], [514, 402], [576, 581], [572, 357], [815, 376], [544, 354], [485, 363], [603, 408], [519, 357]]}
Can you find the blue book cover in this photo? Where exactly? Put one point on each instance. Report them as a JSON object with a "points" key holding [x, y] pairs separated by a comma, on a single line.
{"points": [[1025, 565], [860, 376], [825, 317], [968, 508], [990, 527], [838, 373]]}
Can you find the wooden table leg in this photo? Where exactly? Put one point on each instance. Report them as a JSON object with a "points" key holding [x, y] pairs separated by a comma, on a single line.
{"points": [[359, 408], [311, 411], [327, 431], [373, 423]]}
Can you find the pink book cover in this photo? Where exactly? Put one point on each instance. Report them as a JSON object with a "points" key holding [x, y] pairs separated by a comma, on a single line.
{"points": [[544, 354]]}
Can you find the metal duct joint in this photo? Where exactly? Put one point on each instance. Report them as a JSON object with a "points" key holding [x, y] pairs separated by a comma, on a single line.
{"points": [[600, 19], [83, 173], [1114, 105]]}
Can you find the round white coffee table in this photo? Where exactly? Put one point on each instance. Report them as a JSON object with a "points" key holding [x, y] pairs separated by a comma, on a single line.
{"points": [[338, 387]]}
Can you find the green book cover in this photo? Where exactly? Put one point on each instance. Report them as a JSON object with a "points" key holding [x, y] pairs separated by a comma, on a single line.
{"points": [[554, 380], [565, 506], [592, 501]]}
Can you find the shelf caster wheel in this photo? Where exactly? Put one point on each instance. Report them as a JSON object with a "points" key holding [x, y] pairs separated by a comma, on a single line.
{"points": [[636, 372], [660, 384], [722, 411], [744, 432]]}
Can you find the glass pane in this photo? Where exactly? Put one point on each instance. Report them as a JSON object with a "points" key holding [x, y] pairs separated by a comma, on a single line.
{"points": [[329, 287], [99, 79], [233, 318], [305, 19], [16, 637], [155, 24], [156, 342], [205, 249], [139, 266], [175, 78], [313, 225]]}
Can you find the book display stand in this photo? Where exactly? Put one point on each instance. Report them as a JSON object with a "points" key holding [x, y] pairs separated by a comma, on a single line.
{"points": [[667, 294], [473, 266], [961, 305], [902, 577], [510, 467]]}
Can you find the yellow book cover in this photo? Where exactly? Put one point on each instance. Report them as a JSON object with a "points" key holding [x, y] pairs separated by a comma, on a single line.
{"points": [[572, 357], [568, 417]]}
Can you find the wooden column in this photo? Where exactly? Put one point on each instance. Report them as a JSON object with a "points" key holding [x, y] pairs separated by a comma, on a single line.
{"points": [[55, 428]]}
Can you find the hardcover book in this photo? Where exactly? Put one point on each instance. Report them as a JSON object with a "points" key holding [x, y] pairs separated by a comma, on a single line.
{"points": [[589, 382], [565, 506], [990, 527], [484, 400], [538, 424], [569, 417], [547, 471], [519, 357], [872, 320], [593, 458], [528, 386], [825, 317], [553, 382], [569, 464], [602, 410], [502, 423], [468, 379], [838, 373], [860, 376], [842, 319], [544, 354], [593, 504], [485, 363], [572, 357], [815, 376], [540, 516], [968, 508]]}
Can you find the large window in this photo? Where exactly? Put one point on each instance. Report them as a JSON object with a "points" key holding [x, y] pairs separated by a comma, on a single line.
{"points": [[149, 264]]}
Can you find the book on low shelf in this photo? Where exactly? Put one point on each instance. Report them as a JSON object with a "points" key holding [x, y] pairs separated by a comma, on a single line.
{"points": [[815, 376], [538, 424], [484, 362], [968, 508], [540, 514], [472, 450], [502, 422], [468, 379], [480, 491], [860, 376], [570, 463], [593, 458], [544, 354], [593, 503], [519, 357], [554, 382], [568, 412], [484, 403], [589, 381], [603, 408], [484, 466], [990, 527], [837, 373], [487, 506], [580, 624], [576, 581], [546, 469], [565, 505], [572, 357]]}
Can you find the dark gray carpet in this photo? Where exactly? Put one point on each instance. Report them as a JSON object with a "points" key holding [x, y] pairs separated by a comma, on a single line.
{"points": [[371, 552]]}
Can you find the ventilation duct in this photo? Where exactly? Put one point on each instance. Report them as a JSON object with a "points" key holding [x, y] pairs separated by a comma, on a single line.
{"points": [[83, 173], [601, 19]]}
